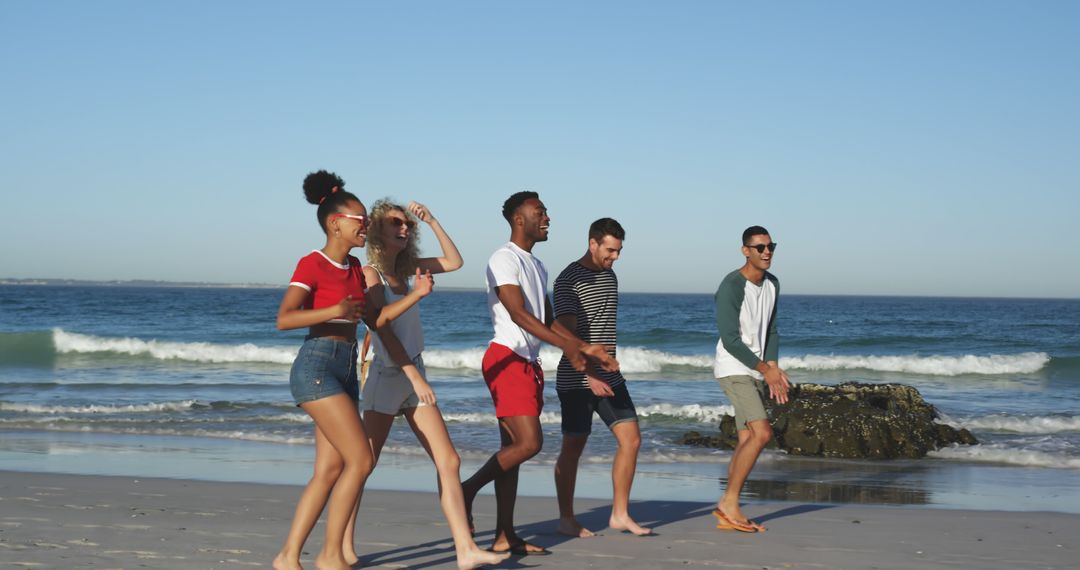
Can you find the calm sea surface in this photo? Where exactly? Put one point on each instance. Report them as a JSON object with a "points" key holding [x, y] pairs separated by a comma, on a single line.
{"points": [[192, 382]]}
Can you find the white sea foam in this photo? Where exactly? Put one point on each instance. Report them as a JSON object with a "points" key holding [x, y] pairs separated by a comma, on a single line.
{"points": [[1024, 363], [143, 421], [698, 412], [182, 405], [999, 453], [632, 359], [695, 412], [464, 359], [1019, 424], [239, 435], [489, 418], [68, 342]]}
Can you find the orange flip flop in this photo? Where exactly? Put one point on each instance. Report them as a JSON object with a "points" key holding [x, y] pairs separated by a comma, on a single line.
{"points": [[724, 522]]}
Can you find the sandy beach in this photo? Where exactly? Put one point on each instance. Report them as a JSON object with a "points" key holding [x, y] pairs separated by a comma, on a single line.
{"points": [[85, 521]]}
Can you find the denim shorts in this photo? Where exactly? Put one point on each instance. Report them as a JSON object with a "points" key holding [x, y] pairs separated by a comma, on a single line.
{"points": [[578, 407], [324, 367]]}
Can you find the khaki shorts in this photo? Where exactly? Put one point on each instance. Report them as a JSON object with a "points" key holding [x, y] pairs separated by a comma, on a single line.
{"points": [[748, 396], [388, 391]]}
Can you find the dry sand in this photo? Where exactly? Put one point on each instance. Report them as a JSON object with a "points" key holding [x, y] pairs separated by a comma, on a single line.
{"points": [[82, 521]]}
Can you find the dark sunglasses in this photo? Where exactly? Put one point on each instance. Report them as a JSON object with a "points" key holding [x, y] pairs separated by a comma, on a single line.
{"points": [[762, 246], [398, 222]]}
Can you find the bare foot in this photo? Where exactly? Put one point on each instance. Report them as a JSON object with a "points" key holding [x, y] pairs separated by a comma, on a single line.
{"points": [[517, 546], [474, 558], [350, 556], [570, 527], [283, 562], [626, 523], [326, 563]]}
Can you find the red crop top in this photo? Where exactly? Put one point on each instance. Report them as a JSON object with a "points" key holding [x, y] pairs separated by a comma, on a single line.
{"points": [[327, 281]]}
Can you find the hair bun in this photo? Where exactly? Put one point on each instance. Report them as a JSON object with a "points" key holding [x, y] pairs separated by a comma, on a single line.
{"points": [[318, 185]]}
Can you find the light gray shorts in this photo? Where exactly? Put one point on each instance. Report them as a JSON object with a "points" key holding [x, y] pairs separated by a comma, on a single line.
{"points": [[388, 391], [748, 396]]}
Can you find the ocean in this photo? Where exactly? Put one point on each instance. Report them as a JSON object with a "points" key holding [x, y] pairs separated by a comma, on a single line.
{"points": [[193, 382]]}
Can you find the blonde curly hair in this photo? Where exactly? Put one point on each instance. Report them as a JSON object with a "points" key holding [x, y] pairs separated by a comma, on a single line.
{"points": [[407, 259]]}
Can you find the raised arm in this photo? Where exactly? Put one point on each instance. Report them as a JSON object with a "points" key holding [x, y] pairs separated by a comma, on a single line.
{"points": [[451, 258]]}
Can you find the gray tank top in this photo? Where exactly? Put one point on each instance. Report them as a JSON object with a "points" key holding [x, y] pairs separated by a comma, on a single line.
{"points": [[406, 327]]}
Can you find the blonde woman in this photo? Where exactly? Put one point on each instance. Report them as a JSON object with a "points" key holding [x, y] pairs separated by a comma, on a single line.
{"points": [[396, 382]]}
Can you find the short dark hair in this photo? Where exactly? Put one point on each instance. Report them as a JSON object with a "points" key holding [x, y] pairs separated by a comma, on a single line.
{"points": [[327, 190], [606, 227], [514, 202], [751, 232]]}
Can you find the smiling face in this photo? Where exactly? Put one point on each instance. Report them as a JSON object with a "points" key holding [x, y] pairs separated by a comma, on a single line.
{"points": [[534, 219], [349, 223], [396, 228], [605, 252], [760, 260]]}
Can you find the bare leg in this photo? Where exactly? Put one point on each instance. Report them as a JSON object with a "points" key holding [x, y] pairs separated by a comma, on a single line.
{"points": [[628, 435], [752, 441], [522, 439], [566, 467], [378, 429], [328, 466], [338, 421], [430, 429]]}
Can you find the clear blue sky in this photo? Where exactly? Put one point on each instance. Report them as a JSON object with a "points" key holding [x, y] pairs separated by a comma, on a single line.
{"points": [[928, 148]]}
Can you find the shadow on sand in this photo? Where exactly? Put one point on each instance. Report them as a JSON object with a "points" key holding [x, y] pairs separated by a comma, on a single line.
{"points": [[651, 514]]}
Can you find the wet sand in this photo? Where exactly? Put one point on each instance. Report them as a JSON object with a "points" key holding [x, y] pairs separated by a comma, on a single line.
{"points": [[86, 521]]}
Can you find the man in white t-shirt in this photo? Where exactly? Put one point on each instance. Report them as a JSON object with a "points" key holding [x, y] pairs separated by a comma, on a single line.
{"points": [[522, 318]]}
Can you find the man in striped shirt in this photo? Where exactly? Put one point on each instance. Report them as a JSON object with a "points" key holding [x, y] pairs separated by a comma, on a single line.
{"points": [[586, 302]]}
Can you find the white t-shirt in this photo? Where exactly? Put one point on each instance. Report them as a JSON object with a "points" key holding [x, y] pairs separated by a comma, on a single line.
{"points": [[755, 316], [511, 265]]}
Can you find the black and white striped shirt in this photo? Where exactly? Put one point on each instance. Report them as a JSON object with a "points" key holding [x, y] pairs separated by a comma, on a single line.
{"points": [[593, 297]]}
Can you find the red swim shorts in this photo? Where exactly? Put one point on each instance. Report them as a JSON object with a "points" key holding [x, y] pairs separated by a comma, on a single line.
{"points": [[516, 384]]}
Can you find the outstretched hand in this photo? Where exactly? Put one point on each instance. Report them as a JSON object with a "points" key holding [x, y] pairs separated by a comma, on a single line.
{"points": [[423, 283]]}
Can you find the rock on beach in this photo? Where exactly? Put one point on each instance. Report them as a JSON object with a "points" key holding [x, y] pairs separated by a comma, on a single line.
{"points": [[850, 420]]}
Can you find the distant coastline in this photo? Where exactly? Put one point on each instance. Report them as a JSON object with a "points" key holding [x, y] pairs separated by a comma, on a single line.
{"points": [[211, 285], [162, 284], [134, 283]]}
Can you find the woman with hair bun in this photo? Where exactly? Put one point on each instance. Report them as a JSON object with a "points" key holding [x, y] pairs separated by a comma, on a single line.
{"points": [[326, 293], [396, 383]]}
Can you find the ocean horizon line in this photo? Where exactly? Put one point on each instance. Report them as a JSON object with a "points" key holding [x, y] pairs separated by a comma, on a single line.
{"points": [[159, 283]]}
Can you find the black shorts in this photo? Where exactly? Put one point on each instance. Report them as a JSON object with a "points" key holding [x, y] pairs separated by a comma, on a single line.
{"points": [[578, 407]]}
